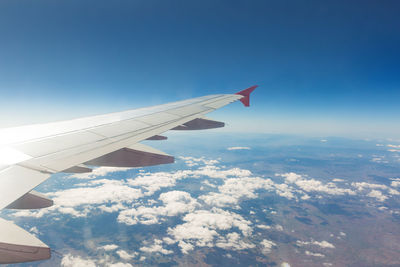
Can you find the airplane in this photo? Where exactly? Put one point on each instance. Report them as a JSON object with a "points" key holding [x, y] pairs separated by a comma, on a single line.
{"points": [[29, 155]]}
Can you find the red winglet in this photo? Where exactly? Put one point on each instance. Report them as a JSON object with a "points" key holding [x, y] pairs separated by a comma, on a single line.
{"points": [[246, 93]]}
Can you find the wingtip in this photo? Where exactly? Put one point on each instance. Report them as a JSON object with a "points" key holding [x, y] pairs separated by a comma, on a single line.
{"points": [[246, 93]]}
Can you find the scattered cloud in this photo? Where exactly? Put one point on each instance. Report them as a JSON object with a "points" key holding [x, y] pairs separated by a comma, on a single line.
{"points": [[156, 248], [34, 231], [308, 253], [267, 246], [205, 220], [109, 247], [125, 255], [338, 180], [200, 228], [377, 194], [174, 203], [312, 185], [239, 148], [262, 226], [322, 244], [70, 260], [98, 172], [76, 261]]}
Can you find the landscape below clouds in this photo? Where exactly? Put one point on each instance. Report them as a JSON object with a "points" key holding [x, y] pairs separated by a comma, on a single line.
{"points": [[256, 200]]}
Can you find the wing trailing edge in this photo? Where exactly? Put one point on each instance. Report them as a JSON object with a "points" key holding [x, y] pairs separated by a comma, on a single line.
{"points": [[17, 245], [31, 200], [137, 155], [199, 124]]}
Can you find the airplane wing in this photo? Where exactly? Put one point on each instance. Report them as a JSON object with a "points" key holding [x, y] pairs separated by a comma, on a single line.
{"points": [[31, 154]]}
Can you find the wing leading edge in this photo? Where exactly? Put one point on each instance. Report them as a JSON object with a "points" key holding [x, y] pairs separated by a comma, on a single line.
{"points": [[30, 154]]}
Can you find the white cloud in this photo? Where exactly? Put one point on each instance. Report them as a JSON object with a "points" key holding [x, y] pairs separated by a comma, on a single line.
{"points": [[207, 183], [394, 146], [235, 189], [109, 247], [98, 172], [322, 244], [375, 193], [312, 185], [238, 148], [70, 260], [175, 203], [185, 247], [314, 254], [262, 226], [34, 231], [76, 261], [363, 185], [267, 246], [338, 180], [156, 248], [395, 182], [378, 195], [125, 255], [119, 264], [233, 241], [201, 228]]}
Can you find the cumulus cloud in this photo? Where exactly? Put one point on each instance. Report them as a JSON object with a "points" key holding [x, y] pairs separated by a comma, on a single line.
{"points": [[98, 172], [394, 148], [233, 241], [34, 231], [200, 228], [262, 226], [156, 248], [395, 182], [76, 261], [238, 148], [70, 260], [267, 246], [322, 244], [378, 195], [79, 201], [125, 255], [235, 189], [119, 264], [309, 253], [338, 180], [312, 185], [175, 202], [204, 221], [373, 190], [109, 247]]}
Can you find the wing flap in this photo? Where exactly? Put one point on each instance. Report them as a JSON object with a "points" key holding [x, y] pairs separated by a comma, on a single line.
{"points": [[17, 245], [78, 169], [199, 124], [137, 155], [17, 181], [31, 200], [157, 137]]}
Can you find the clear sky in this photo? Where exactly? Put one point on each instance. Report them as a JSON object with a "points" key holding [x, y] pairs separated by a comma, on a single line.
{"points": [[323, 67]]}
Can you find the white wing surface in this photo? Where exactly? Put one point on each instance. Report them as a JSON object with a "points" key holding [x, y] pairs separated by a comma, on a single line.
{"points": [[30, 154]]}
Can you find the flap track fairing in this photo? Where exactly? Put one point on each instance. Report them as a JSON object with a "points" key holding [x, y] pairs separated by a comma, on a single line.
{"points": [[199, 124], [137, 155]]}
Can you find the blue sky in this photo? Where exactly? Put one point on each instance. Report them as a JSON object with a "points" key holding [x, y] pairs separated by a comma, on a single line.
{"points": [[324, 67]]}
